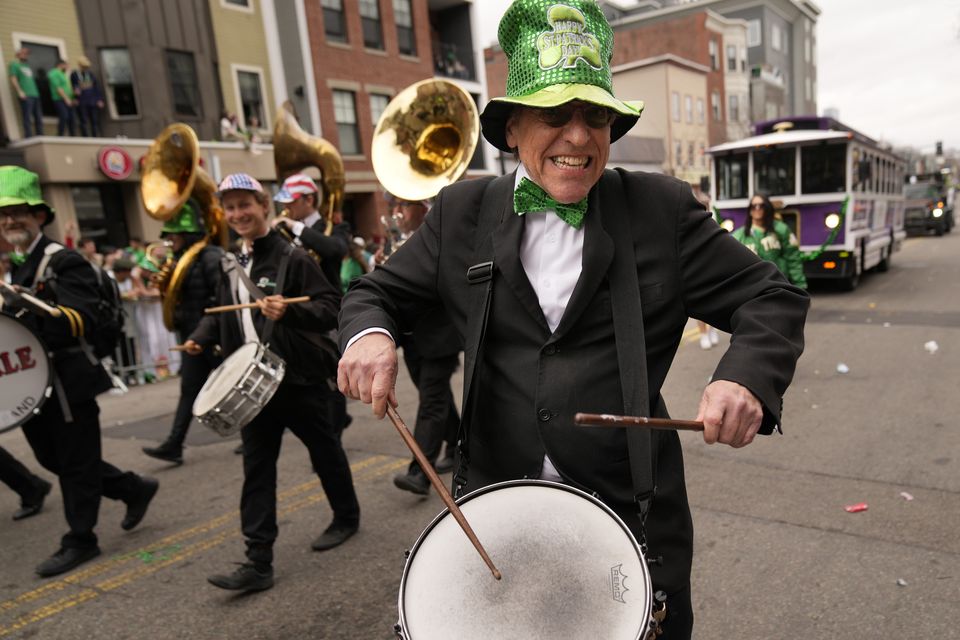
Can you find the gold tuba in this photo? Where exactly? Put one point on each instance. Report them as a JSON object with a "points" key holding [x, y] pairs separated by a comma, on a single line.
{"points": [[172, 175], [425, 139], [294, 150]]}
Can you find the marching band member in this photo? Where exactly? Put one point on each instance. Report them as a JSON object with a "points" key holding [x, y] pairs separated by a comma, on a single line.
{"points": [[199, 290], [275, 270], [572, 285], [65, 435]]}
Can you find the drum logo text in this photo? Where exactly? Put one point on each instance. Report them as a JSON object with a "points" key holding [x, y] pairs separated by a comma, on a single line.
{"points": [[25, 407], [24, 361], [618, 583]]}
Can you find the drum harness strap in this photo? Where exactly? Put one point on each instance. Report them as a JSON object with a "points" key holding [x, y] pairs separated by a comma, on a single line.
{"points": [[628, 328], [235, 272]]}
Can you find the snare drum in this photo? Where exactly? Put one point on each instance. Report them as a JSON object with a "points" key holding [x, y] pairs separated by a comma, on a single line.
{"points": [[571, 569], [239, 389], [26, 376]]}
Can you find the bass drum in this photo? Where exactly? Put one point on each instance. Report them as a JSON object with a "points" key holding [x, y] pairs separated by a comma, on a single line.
{"points": [[26, 376], [571, 569]]}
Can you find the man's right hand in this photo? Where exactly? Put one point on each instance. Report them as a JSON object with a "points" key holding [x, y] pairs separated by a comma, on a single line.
{"points": [[368, 372], [192, 348]]}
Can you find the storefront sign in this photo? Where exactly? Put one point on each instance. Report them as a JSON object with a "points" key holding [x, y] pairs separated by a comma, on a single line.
{"points": [[115, 163]]}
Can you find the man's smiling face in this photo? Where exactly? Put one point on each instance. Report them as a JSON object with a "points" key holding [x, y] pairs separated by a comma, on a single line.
{"points": [[565, 160]]}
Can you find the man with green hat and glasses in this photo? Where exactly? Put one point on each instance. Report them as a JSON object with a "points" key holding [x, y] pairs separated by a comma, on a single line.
{"points": [[572, 285], [65, 434], [198, 291]]}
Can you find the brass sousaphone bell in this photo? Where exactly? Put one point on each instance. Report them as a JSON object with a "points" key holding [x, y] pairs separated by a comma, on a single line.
{"points": [[425, 139], [171, 176]]}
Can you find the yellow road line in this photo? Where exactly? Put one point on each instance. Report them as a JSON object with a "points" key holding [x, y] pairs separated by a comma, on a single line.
{"points": [[169, 541]]}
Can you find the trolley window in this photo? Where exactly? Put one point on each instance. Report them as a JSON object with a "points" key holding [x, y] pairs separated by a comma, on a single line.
{"points": [[823, 168], [774, 171], [732, 176]]}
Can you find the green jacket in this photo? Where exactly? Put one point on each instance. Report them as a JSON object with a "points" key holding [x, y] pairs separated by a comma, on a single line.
{"points": [[778, 246]]}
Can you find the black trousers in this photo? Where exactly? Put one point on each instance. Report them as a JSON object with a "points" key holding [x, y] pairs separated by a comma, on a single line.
{"points": [[194, 371], [302, 410], [437, 417], [72, 452], [19, 478], [678, 625]]}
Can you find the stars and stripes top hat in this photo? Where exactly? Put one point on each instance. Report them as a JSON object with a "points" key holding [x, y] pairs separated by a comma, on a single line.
{"points": [[295, 186], [239, 181]]}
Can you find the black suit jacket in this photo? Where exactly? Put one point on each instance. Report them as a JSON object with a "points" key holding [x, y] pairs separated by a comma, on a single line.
{"points": [[331, 249], [530, 382]]}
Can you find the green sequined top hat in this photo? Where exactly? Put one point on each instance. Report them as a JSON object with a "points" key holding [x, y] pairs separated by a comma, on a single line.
{"points": [[557, 51], [185, 221], [19, 186]]}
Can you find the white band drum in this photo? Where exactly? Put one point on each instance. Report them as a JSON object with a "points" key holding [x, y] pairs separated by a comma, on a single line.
{"points": [[239, 389], [25, 373], [571, 569]]}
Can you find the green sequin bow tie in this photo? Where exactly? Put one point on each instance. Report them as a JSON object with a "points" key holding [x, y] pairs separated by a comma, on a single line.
{"points": [[529, 197], [17, 258]]}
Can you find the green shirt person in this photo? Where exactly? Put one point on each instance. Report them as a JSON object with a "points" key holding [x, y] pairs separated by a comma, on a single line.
{"points": [[63, 99], [25, 86], [772, 240]]}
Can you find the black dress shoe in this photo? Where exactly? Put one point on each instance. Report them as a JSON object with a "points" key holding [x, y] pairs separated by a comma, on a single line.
{"points": [[444, 464], [415, 482], [34, 505], [167, 451], [247, 577], [64, 560], [335, 535], [137, 508]]}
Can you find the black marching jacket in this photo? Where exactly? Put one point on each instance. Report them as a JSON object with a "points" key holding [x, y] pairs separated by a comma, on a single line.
{"points": [[530, 383], [74, 290], [198, 291], [331, 249], [291, 336]]}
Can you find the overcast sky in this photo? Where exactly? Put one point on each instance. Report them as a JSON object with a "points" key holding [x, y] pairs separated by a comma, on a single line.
{"points": [[891, 68]]}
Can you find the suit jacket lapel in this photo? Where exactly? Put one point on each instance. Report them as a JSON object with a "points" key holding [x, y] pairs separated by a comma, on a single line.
{"points": [[506, 251], [597, 256]]}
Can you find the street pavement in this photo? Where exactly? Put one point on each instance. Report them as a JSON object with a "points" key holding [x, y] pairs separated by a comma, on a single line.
{"points": [[777, 555]]}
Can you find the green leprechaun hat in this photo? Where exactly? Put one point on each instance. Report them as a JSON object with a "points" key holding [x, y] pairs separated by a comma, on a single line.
{"points": [[185, 221], [557, 51], [20, 186]]}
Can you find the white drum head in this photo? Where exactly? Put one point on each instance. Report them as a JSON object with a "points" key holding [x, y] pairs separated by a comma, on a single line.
{"points": [[570, 570], [223, 379], [24, 373]]}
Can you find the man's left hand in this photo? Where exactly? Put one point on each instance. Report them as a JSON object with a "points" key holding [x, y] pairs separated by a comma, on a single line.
{"points": [[730, 413], [273, 307]]}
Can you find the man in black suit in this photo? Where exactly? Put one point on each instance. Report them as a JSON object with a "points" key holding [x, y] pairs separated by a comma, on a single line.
{"points": [[572, 285], [65, 434]]}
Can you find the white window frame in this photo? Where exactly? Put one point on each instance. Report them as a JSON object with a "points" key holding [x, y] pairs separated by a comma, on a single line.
{"points": [[715, 108], [713, 50], [59, 43], [733, 108], [107, 89], [754, 33], [238, 101], [378, 94], [731, 59], [776, 37], [355, 123], [701, 111], [236, 7], [688, 108]]}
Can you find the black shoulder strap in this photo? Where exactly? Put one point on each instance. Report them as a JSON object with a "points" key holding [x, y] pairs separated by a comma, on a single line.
{"points": [[628, 329], [278, 289], [480, 277]]}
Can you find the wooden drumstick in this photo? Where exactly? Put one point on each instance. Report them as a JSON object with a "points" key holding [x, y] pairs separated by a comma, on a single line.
{"points": [[179, 347], [252, 305], [34, 302], [608, 420], [440, 488]]}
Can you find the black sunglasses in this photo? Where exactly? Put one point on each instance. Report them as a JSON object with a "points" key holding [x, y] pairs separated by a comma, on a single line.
{"points": [[595, 116]]}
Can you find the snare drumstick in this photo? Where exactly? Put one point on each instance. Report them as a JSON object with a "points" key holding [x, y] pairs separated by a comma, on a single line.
{"points": [[34, 302], [608, 420], [440, 488], [252, 305], [179, 347]]}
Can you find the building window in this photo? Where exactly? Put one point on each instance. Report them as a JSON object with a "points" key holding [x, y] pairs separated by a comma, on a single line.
{"points": [[250, 88], [334, 22], [406, 38], [688, 108], [731, 57], [370, 19], [243, 5], [690, 155], [183, 84], [714, 55], [743, 59], [715, 105], [43, 59], [703, 155], [118, 82], [378, 104], [776, 37], [700, 114], [345, 115], [734, 113], [678, 153], [754, 37], [675, 106]]}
